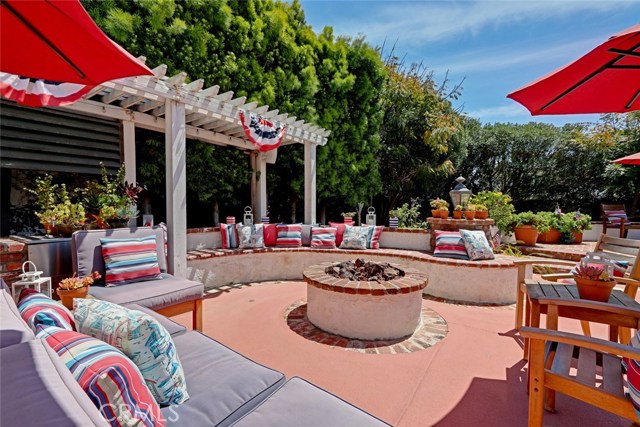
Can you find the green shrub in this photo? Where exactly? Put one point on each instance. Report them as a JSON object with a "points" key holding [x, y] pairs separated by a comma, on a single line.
{"points": [[499, 205]]}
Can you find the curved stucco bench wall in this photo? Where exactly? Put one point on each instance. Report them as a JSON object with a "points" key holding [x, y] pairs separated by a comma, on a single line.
{"points": [[485, 282]]}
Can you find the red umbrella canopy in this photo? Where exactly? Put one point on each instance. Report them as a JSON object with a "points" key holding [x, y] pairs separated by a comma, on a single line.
{"points": [[605, 80], [57, 41], [633, 159]]}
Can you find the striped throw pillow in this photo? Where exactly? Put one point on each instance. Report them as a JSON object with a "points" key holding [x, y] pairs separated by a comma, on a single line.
{"points": [[289, 235], [373, 238], [38, 309], [616, 217], [323, 237], [449, 244], [229, 236], [142, 339], [130, 260], [112, 381]]}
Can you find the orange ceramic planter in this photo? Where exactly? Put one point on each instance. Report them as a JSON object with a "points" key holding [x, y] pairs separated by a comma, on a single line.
{"points": [[551, 236], [444, 213], [577, 237], [527, 234], [457, 214], [482, 214], [469, 215], [594, 290], [67, 295]]}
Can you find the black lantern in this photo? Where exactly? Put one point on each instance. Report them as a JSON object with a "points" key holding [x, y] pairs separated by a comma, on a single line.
{"points": [[460, 194]]}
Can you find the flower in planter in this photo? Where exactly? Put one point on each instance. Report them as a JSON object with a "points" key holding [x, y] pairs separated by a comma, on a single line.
{"points": [[76, 282], [594, 272]]}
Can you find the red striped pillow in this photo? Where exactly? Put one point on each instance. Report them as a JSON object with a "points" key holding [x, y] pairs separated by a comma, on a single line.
{"points": [[449, 244], [373, 238], [229, 236], [112, 381], [38, 309], [130, 260], [616, 217], [289, 235], [323, 237]]}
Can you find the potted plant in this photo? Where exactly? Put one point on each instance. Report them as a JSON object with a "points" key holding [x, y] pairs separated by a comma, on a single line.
{"points": [[593, 282], [555, 221], [75, 287], [113, 200], [470, 212], [348, 217], [439, 208], [527, 226], [393, 218], [482, 212], [56, 212], [573, 225], [457, 212]]}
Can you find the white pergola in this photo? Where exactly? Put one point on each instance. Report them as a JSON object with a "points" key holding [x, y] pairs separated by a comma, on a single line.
{"points": [[166, 104]]}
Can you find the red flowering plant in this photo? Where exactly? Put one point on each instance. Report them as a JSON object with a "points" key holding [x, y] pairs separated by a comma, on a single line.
{"points": [[597, 272], [76, 282]]}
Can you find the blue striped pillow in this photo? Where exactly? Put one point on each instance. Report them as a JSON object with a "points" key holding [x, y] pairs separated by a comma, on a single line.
{"points": [[38, 309], [323, 237], [130, 260], [289, 235], [229, 236], [449, 244]]}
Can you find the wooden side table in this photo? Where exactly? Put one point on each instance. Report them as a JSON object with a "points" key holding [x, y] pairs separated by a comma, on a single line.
{"points": [[557, 300], [42, 284]]}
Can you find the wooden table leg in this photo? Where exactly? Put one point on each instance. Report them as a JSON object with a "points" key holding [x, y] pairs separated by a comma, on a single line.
{"points": [[552, 324], [527, 322]]}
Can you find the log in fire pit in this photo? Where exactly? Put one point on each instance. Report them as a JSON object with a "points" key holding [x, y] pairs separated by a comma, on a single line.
{"points": [[364, 300]]}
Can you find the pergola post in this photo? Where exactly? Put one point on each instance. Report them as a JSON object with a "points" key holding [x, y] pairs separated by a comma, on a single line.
{"points": [[129, 155], [176, 175], [309, 182], [261, 199]]}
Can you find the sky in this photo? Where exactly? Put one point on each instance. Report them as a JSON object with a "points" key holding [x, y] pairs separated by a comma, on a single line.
{"points": [[495, 46]]}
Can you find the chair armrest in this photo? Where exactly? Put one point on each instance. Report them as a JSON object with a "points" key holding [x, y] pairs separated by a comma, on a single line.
{"points": [[555, 277], [595, 344]]}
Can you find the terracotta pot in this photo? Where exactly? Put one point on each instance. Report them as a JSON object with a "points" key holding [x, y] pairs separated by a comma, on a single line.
{"points": [[435, 213], [444, 213], [67, 230], [595, 290], [527, 234], [551, 236], [482, 214], [348, 220], [469, 215], [577, 237], [67, 295], [457, 214]]}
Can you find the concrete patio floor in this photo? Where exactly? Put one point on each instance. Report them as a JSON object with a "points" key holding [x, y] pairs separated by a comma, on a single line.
{"points": [[475, 376]]}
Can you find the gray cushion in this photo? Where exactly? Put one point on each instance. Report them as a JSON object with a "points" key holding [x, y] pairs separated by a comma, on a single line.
{"points": [[306, 234], [172, 327], [154, 294], [223, 384], [299, 403], [86, 250], [39, 390], [13, 329]]}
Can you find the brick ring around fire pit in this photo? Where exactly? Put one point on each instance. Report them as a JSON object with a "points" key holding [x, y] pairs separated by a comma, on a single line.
{"points": [[367, 310]]}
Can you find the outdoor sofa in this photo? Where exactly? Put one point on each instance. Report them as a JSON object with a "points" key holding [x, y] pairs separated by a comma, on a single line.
{"points": [[225, 388]]}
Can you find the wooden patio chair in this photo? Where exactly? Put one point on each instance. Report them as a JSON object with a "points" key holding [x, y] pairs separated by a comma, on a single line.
{"points": [[615, 216], [616, 248], [597, 379]]}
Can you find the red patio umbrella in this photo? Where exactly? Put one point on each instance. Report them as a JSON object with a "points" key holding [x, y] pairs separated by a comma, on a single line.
{"points": [[633, 159], [605, 80], [56, 42]]}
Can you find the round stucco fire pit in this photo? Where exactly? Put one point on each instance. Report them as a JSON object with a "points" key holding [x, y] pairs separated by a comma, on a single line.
{"points": [[375, 308]]}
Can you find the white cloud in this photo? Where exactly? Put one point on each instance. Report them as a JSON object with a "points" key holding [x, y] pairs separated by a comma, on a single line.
{"points": [[416, 23]]}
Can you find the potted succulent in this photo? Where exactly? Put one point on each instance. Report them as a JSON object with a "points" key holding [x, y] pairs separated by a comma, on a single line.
{"points": [[470, 212], [528, 226], [439, 208], [75, 287], [482, 212], [457, 212], [348, 217], [593, 281]]}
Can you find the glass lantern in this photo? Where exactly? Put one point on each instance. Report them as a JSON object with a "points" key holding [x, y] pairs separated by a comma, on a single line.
{"points": [[460, 194]]}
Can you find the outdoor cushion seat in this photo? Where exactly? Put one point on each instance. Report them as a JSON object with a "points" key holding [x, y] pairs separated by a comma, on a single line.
{"points": [[173, 328], [223, 384], [300, 403], [14, 330], [153, 294], [39, 390]]}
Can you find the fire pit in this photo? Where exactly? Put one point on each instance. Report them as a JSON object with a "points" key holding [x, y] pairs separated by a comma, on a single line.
{"points": [[364, 300]]}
